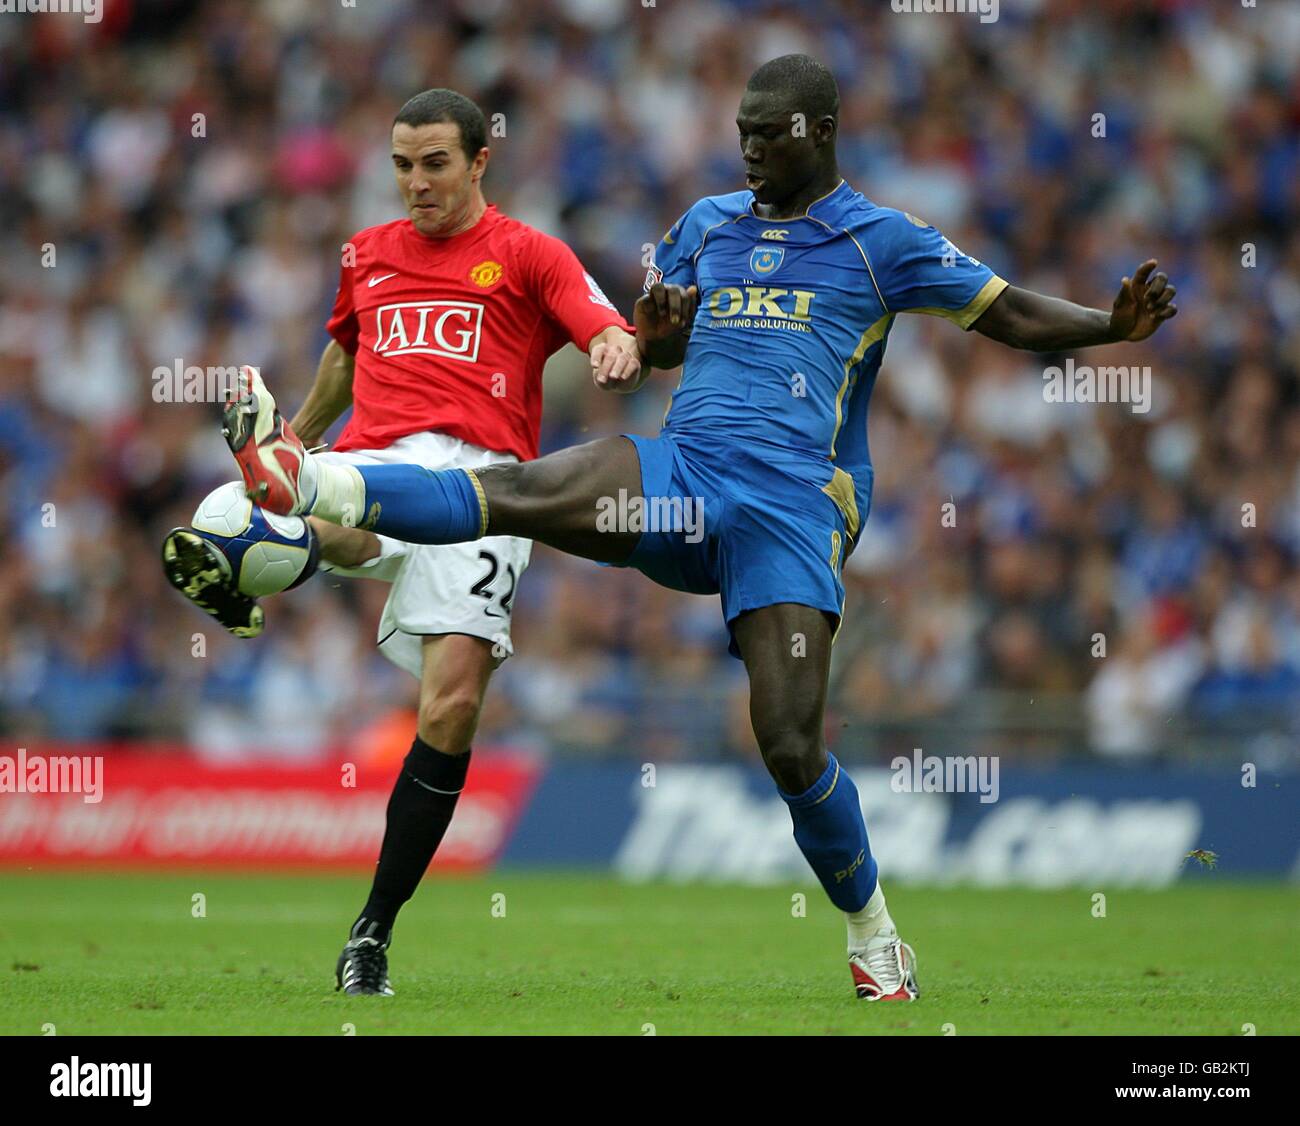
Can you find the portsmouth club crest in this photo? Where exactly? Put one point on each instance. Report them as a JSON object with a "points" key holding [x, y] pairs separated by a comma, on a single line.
{"points": [[766, 259]]}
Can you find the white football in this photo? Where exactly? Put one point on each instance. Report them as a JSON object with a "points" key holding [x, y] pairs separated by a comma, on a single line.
{"points": [[266, 553]]}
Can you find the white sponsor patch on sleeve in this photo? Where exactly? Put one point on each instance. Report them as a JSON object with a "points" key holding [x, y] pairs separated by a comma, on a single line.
{"points": [[595, 294], [653, 276]]}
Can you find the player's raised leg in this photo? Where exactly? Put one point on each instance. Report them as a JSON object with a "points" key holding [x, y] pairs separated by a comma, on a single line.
{"points": [[454, 676], [554, 500], [786, 649]]}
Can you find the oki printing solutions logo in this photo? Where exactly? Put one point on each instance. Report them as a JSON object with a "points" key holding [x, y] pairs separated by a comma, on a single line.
{"points": [[430, 328]]}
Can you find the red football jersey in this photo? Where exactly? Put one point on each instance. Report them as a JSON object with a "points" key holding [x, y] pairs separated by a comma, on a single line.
{"points": [[450, 334]]}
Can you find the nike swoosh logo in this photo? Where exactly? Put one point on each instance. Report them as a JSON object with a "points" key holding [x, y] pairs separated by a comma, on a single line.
{"points": [[375, 281]]}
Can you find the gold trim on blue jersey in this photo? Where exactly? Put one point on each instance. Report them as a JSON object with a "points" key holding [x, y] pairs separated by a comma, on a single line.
{"points": [[482, 503], [870, 272], [664, 421], [969, 313], [837, 564], [669, 239], [843, 230], [832, 786], [865, 260], [805, 215], [873, 335], [841, 490], [709, 230]]}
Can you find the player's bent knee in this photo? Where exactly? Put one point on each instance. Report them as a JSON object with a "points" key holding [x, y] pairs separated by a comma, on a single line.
{"points": [[448, 721], [512, 483], [531, 482], [518, 497], [794, 760]]}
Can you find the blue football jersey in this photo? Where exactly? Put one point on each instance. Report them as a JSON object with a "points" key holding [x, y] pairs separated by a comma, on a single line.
{"points": [[794, 315]]}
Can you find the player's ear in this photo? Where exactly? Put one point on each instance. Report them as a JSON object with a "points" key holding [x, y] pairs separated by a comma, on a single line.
{"points": [[479, 164]]}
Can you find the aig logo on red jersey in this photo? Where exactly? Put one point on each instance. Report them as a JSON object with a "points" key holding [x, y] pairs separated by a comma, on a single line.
{"points": [[431, 328]]}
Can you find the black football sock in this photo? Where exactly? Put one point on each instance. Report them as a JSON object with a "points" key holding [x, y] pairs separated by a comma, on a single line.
{"points": [[419, 811]]}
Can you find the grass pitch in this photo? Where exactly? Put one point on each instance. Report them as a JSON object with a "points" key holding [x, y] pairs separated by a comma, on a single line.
{"points": [[112, 953]]}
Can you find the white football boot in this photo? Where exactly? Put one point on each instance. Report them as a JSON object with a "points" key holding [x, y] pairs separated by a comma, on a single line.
{"points": [[884, 969], [277, 470]]}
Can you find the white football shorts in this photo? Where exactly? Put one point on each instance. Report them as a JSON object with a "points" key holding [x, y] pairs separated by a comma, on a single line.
{"points": [[465, 588]]}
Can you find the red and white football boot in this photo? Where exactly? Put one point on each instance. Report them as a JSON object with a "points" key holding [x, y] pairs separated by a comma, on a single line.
{"points": [[885, 969], [278, 472]]}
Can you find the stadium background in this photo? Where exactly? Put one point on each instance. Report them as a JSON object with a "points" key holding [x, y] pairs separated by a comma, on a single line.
{"points": [[1072, 520]]}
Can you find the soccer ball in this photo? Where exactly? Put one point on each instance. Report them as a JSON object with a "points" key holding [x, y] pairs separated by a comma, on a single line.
{"points": [[264, 552]]}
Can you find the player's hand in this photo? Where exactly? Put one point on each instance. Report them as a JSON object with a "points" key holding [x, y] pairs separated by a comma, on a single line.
{"points": [[616, 361], [664, 311], [1143, 305]]}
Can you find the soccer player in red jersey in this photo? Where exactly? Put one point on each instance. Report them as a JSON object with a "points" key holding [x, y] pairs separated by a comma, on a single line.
{"points": [[441, 326]]}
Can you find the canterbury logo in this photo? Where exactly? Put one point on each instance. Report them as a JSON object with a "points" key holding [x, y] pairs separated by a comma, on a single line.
{"points": [[776, 235]]}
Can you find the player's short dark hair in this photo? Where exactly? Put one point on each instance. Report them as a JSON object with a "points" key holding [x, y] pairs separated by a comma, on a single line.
{"points": [[434, 106], [809, 85]]}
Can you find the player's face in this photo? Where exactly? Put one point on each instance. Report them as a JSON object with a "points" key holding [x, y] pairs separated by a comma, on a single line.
{"points": [[437, 182], [778, 148]]}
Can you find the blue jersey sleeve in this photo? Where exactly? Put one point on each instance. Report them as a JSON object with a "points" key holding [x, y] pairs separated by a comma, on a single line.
{"points": [[674, 260], [918, 270]]}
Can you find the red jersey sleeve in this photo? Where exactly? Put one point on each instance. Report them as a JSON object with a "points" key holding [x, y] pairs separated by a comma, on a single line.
{"points": [[343, 325], [568, 294]]}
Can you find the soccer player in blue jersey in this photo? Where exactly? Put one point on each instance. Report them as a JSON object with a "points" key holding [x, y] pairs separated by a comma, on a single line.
{"points": [[778, 301]]}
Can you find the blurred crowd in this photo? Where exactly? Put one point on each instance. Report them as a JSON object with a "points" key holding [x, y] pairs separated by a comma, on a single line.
{"points": [[176, 182]]}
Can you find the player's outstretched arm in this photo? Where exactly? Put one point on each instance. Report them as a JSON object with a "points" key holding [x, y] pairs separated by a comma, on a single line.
{"points": [[616, 361], [329, 397], [663, 317], [1023, 319]]}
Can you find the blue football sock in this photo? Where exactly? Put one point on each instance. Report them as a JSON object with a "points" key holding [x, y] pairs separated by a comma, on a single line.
{"points": [[830, 832], [418, 505]]}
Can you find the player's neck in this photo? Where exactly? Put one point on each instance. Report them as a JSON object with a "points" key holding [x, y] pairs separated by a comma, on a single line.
{"points": [[798, 204], [473, 213]]}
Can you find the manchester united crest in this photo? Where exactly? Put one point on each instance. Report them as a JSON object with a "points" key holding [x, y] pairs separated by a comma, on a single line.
{"points": [[486, 273]]}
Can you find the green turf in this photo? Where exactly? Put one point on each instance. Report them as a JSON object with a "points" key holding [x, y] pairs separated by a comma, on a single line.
{"points": [[122, 953]]}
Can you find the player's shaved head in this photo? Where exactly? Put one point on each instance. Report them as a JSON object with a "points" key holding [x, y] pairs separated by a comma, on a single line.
{"points": [[433, 107], [806, 85], [787, 120]]}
